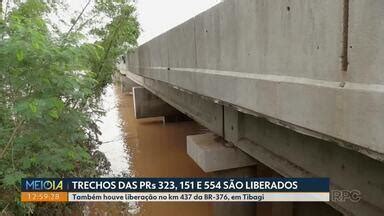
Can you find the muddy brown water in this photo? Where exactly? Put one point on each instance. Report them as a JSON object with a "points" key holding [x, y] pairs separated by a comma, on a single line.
{"points": [[145, 148]]}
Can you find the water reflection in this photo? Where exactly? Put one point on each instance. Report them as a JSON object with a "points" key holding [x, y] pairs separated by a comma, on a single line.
{"points": [[112, 136], [117, 153]]}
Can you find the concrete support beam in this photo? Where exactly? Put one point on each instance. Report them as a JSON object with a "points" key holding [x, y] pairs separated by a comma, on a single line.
{"points": [[126, 84], [148, 105], [212, 154], [200, 109]]}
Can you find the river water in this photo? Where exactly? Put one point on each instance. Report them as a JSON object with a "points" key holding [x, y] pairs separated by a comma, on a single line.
{"points": [[145, 148]]}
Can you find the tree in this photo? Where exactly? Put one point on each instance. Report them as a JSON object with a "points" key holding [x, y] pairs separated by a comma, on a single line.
{"points": [[50, 84]]}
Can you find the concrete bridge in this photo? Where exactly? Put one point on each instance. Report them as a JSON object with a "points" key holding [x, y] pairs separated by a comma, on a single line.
{"points": [[295, 85]]}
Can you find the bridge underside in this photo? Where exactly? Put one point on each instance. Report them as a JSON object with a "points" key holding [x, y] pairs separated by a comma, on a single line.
{"points": [[290, 153]]}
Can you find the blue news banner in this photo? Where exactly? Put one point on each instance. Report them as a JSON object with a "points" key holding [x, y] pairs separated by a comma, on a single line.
{"points": [[175, 190]]}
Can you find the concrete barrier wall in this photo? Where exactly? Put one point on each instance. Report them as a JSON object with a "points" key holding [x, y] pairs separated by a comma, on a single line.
{"points": [[291, 38], [297, 38], [366, 47], [282, 59]]}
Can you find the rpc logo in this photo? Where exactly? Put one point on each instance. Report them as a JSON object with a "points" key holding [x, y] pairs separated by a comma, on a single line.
{"points": [[345, 195]]}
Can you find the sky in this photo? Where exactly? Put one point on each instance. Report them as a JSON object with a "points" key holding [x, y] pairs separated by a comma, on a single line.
{"points": [[155, 16], [158, 16]]}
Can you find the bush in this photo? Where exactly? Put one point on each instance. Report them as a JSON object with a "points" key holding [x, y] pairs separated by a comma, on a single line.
{"points": [[50, 84]]}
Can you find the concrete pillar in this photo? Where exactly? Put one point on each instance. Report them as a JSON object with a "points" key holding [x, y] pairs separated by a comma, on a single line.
{"points": [[147, 105], [214, 155]]}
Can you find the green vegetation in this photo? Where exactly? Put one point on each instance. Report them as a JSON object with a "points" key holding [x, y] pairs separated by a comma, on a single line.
{"points": [[50, 84]]}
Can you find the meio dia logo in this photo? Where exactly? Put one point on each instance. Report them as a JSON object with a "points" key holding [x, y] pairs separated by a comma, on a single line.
{"points": [[44, 185]]}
